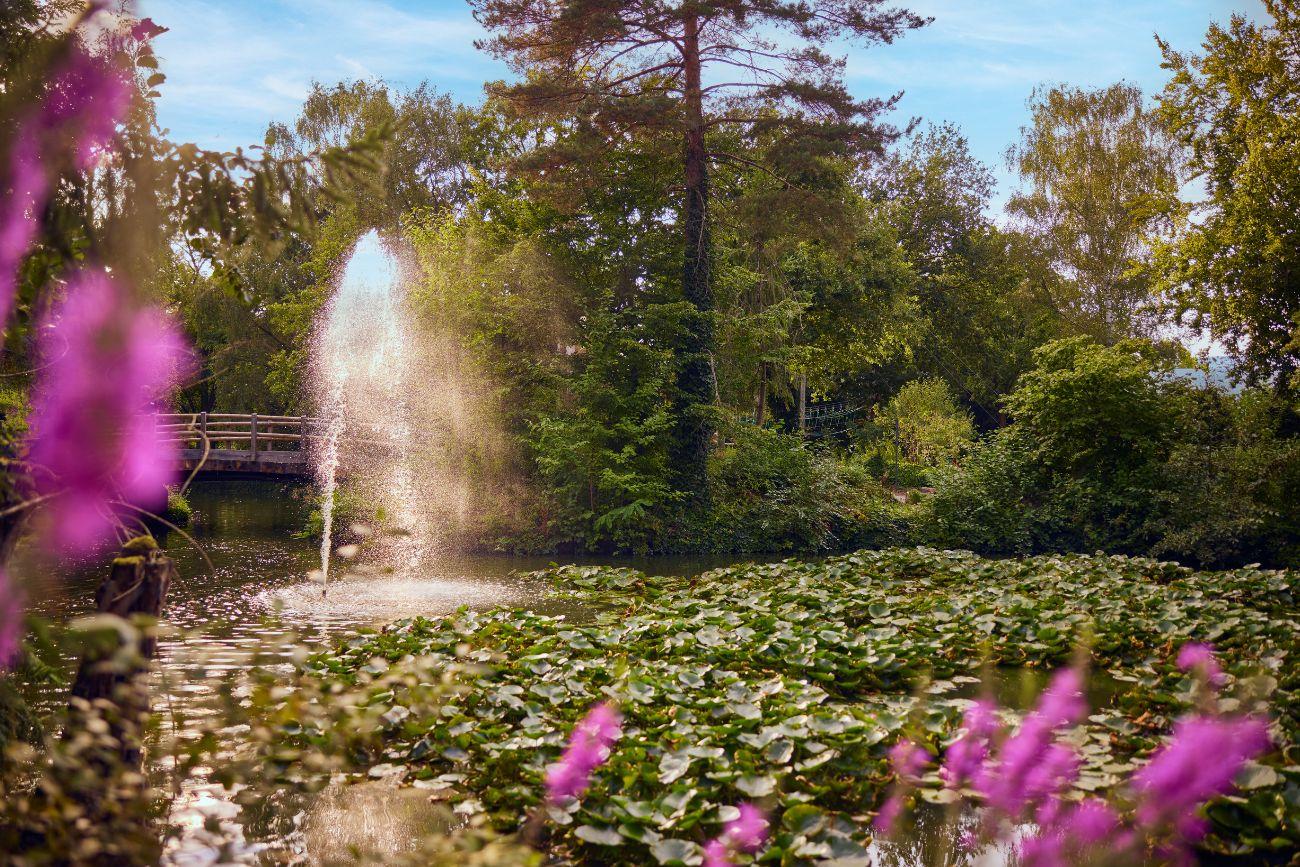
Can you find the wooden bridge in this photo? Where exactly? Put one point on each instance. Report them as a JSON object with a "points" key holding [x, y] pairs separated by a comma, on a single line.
{"points": [[223, 443]]}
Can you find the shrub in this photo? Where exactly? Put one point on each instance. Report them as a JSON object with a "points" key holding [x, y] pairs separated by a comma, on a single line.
{"points": [[925, 424], [771, 491], [1105, 454], [1233, 482], [178, 511]]}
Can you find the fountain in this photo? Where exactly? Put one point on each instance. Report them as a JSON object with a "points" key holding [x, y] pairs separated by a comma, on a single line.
{"points": [[361, 366]]}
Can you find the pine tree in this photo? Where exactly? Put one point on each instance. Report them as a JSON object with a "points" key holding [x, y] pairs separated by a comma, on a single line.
{"points": [[704, 71]]}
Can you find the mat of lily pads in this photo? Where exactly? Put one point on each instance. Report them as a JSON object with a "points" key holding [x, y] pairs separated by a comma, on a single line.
{"points": [[785, 683]]}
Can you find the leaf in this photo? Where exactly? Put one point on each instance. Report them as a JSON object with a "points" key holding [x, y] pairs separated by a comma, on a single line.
{"points": [[1253, 775], [673, 766], [756, 787], [599, 836], [672, 851]]}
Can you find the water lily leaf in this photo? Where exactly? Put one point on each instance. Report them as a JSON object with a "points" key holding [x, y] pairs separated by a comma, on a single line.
{"points": [[599, 836], [756, 787], [779, 752], [673, 766], [672, 851], [1253, 775]]}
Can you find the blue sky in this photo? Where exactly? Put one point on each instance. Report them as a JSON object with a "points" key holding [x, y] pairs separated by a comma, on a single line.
{"points": [[235, 65]]}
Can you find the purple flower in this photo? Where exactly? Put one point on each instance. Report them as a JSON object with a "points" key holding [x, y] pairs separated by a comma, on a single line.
{"points": [[588, 748], [1199, 658], [716, 854], [889, 814], [908, 759], [1030, 767], [11, 620], [1063, 702], [84, 100], [1072, 835], [745, 833], [93, 439], [1199, 762], [963, 758]]}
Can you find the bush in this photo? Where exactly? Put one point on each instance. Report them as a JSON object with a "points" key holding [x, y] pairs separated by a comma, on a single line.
{"points": [[178, 511], [925, 424], [1233, 482], [1105, 454], [771, 491]]}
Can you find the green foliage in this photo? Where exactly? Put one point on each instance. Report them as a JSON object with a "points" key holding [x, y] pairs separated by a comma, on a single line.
{"points": [[925, 425], [1107, 453], [1233, 483], [1234, 262], [770, 491], [983, 295], [607, 464], [178, 510], [1101, 176], [786, 683], [1081, 462]]}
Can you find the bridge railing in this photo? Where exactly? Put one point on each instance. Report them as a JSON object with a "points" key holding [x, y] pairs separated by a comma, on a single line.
{"points": [[250, 432]]}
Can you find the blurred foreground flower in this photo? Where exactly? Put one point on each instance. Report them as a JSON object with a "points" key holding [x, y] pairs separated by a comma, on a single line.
{"points": [[11, 620], [588, 748], [907, 759], [1024, 784], [1030, 767], [93, 440], [745, 833], [83, 102], [1199, 658], [1202, 758]]}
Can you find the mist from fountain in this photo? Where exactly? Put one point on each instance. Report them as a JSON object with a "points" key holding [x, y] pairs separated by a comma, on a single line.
{"points": [[360, 373]]}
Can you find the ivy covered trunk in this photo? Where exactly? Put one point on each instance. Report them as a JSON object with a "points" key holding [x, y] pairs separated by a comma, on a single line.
{"points": [[112, 680], [695, 371]]}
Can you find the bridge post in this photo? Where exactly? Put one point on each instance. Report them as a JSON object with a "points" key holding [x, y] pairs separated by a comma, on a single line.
{"points": [[252, 437], [203, 427]]}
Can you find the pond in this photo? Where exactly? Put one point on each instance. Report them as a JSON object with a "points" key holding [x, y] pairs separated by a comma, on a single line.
{"points": [[248, 591], [244, 588]]}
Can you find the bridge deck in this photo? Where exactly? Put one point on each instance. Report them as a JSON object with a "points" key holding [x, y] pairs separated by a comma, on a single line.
{"points": [[245, 462], [240, 444]]}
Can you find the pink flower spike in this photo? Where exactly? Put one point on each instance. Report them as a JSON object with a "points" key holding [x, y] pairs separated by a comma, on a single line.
{"points": [[84, 100], [908, 759], [588, 748], [716, 854], [1200, 762], [1199, 658], [890, 812], [746, 832], [93, 439], [1063, 702], [963, 758], [11, 620]]}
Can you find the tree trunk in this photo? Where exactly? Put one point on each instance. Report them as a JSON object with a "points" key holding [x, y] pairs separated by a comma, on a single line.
{"points": [[760, 404], [695, 374], [112, 678], [803, 403], [98, 769]]}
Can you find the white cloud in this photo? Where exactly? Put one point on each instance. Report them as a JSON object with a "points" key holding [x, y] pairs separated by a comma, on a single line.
{"points": [[235, 66]]}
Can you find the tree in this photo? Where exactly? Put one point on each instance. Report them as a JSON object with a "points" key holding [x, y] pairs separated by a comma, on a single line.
{"points": [[1236, 262], [611, 68], [983, 296], [420, 164], [1101, 178]]}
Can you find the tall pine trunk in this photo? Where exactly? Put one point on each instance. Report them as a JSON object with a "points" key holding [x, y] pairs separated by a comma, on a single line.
{"points": [[695, 373]]}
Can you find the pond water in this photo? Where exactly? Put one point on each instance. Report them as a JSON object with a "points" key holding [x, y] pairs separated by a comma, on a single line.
{"points": [[244, 588], [248, 590]]}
